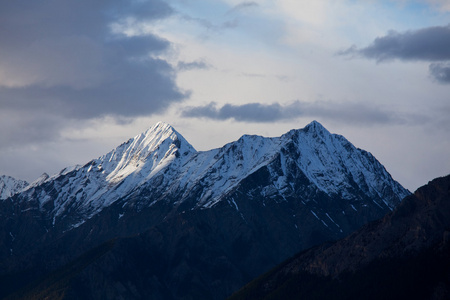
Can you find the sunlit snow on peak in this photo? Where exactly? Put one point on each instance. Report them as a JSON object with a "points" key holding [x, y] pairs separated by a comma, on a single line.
{"points": [[162, 163]]}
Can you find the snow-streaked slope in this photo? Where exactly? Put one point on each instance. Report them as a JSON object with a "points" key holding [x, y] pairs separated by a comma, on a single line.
{"points": [[145, 155], [220, 170], [329, 161], [338, 167], [160, 165], [10, 186], [85, 191]]}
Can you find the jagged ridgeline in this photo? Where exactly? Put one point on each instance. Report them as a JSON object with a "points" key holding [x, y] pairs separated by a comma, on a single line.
{"points": [[183, 224]]}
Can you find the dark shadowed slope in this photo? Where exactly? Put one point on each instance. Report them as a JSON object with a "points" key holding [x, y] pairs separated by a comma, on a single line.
{"points": [[405, 255]]}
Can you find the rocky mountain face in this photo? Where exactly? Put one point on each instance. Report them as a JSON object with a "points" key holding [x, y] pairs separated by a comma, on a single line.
{"points": [[155, 218], [10, 186], [404, 255]]}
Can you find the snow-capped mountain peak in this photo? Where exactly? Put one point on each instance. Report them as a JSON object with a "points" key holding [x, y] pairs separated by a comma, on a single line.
{"points": [[10, 186], [146, 153], [315, 126], [86, 190], [335, 165], [40, 180], [314, 131]]}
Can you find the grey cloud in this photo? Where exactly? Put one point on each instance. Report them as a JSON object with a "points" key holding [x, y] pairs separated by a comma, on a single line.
{"points": [[200, 21], [146, 10], [440, 72], [211, 26], [252, 112], [137, 46], [243, 6], [427, 44], [30, 127], [194, 65], [145, 92], [357, 113], [253, 75], [283, 78], [353, 113], [430, 44], [217, 27], [61, 58]]}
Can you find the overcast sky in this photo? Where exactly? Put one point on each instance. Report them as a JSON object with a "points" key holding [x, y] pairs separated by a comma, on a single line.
{"points": [[78, 78]]}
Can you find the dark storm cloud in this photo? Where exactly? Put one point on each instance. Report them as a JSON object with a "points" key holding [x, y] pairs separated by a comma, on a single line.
{"points": [[137, 90], [352, 113], [61, 57], [430, 44], [137, 46]]}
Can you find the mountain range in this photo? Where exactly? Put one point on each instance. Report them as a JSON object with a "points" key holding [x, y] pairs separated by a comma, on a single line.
{"points": [[154, 218]]}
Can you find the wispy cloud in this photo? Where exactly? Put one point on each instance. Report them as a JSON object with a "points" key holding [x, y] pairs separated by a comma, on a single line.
{"points": [[243, 6], [193, 65], [211, 26]]}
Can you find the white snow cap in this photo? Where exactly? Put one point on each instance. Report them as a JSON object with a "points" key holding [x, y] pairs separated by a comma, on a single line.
{"points": [[10, 186]]}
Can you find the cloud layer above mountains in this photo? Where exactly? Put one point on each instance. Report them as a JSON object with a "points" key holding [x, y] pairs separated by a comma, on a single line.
{"points": [[353, 113], [64, 58]]}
